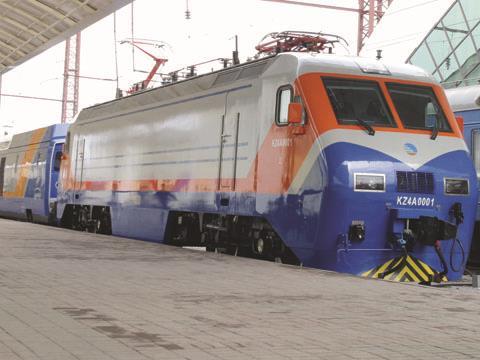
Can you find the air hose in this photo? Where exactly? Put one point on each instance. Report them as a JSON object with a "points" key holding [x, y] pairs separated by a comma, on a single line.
{"points": [[397, 267], [458, 214], [439, 276]]}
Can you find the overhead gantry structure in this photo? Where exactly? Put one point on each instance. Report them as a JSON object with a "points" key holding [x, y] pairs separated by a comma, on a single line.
{"points": [[369, 14]]}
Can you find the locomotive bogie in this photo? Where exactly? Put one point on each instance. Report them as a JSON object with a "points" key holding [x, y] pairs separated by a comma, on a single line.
{"points": [[230, 234]]}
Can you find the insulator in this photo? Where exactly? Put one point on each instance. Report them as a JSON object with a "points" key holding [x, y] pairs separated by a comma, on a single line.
{"points": [[188, 14]]}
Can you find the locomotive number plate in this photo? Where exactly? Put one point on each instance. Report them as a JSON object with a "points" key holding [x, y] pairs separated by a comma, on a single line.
{"points": [[415, 201]]}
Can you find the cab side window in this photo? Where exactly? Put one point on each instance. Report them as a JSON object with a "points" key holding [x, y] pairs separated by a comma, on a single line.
{"points": [[66, 146], [476, 150], [284, 98], [57, 161]]}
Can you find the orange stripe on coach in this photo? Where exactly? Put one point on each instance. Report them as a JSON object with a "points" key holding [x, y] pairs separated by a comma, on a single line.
{"points": [[25, 164]]}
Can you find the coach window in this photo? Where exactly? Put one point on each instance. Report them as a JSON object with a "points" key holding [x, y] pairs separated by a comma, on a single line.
{"points": [[476, 150], [284, 98]]}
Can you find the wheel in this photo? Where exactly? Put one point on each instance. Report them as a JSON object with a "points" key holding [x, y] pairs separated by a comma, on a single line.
{"points": [[232, 250], [288, 257], [262, 247], [82, 220]]}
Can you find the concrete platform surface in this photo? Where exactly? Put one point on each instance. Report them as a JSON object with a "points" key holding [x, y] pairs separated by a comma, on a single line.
{"points": [[69, 295]]}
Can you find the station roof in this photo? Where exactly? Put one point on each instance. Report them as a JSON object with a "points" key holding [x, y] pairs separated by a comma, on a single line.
{"points": [[29, 27], [451, 50]]}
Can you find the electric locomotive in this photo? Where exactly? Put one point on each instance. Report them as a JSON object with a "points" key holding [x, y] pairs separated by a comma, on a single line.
{"points": [[338, 163], [465, 102], [29, 171]]}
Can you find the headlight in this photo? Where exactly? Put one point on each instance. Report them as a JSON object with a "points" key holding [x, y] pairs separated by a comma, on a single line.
{"points": [[456, 186], [370, 182]]}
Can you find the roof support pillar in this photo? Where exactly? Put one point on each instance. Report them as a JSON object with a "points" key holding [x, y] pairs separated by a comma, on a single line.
{"points": [[71, 78]]}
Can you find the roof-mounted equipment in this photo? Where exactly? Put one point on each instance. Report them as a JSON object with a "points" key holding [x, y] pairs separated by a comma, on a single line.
{"points": [[297, 41]]}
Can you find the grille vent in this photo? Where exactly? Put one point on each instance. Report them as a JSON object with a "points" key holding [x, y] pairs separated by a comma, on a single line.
{"points": [[415, 182]]}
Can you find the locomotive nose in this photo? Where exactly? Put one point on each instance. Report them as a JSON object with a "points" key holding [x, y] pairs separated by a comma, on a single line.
{"points": [[409, 223]]}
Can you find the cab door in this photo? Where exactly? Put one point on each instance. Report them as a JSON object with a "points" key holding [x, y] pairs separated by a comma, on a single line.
{"points": [[2, 175], [228, 151], [228, 158], [78, 172]]}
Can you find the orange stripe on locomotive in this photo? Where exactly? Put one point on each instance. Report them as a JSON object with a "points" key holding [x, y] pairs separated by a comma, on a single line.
{"points": [[274, 168]]}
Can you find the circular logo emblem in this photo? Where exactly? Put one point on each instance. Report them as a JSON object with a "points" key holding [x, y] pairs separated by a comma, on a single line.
{"points": [[410, 149]]}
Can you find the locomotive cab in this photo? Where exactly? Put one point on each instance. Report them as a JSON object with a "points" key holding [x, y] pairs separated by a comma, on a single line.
{"points": [[399, 180]]}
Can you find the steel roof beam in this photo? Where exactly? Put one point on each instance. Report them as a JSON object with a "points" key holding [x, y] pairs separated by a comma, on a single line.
{"points": [[86, 4], [16, 39], [54, 12], [22, 27], [25, 14], [3, 53], [9, 37], [14, 49], [51, 21]]}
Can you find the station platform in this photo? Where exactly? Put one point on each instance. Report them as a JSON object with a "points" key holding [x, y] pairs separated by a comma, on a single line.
{"points": [[70, 295]]}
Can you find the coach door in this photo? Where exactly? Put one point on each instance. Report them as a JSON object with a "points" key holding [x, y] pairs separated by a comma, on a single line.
{"points": [[78, 173], [55, 170], [229, 130], [2, 174]]}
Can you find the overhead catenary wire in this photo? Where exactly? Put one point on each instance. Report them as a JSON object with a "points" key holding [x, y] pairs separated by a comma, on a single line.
{"points": [[132, 16], [407, 37], [116, 49], [411, 7], [404, 39], [31, 97], [389, 42]]}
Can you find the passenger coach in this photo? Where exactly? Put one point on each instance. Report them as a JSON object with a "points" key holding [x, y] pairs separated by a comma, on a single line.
{"points": [[29, 171], [465, 102]]}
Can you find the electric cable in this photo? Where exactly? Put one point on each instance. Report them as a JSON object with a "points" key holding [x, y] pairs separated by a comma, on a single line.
{"points": [[451, 255]]}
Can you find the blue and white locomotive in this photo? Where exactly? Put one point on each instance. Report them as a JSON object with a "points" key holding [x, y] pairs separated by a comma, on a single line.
{"points": [[334, 162]]}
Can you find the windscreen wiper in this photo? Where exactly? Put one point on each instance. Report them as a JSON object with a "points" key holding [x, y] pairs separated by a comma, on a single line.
{"points": [[363, 123], [434, 130], [366, 125], [435, 127]]}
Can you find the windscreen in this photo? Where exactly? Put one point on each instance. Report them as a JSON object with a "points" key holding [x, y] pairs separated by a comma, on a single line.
{"points": [[354, 100], [418, 107]]}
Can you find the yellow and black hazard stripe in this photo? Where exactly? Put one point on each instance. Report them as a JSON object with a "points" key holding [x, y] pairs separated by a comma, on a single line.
{"points": [[412, 270]]}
